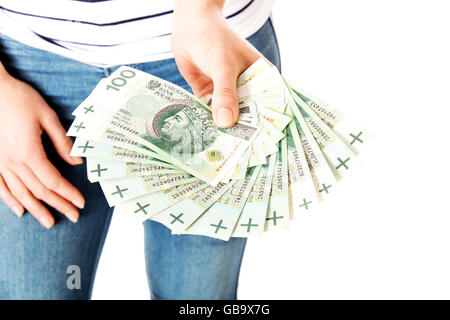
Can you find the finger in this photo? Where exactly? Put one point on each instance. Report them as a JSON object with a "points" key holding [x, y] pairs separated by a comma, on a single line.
{"points": [[224, 100], [41, 192], [9, 199], [33, 205], [57, 134], [46, 172], [200, 83]]}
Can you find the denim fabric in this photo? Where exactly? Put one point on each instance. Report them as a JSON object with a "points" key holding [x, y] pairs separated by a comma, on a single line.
{"points": [[34, 260]]}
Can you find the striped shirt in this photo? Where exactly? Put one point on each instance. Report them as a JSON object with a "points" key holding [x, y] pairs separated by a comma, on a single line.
{"points": [[111, 32]]}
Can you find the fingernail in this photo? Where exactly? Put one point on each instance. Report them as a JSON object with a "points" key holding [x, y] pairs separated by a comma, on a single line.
{"points": [[18, 211], [79, 204], [72, 217], [224, 117], [77, 160], [46, 222]]}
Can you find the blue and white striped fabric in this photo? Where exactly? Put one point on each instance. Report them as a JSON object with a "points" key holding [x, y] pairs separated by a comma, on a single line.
{"points": [[111, 32]]}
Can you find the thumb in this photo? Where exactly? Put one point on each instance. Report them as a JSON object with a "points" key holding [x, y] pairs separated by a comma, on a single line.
{"points": [[224, 99], [57, 134]]}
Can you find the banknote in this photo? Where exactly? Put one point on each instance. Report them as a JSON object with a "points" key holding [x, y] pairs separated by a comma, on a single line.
{"points": [[269, 135], [321, 173], [257, 153], [254, 72], [241, 168], [261, 107], [220, 219], [252, 220], [277, 119], [274, 133], [176, 126], [108, 129], [157, 154], [123, 189], [352, 133], [302, 192], [99, 169], [278, 215], [340, 158], [183, 214], [148, 205], [108, 137], [84, 147], [269, 93]]}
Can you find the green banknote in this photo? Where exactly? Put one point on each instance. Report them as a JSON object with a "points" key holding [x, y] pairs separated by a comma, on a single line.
{"points": [[253, 217], [99, 169], [148, 205], [170, 122], [123, 189], [321, 173], [84, 147], [302, 192], [340, 158], [183, 214], [220, 219], [278, 215], [352, 133]]}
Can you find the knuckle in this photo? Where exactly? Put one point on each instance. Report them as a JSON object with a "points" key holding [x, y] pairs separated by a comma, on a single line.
{"points": [[20, 193], [40, 192], [225, 92], [54, 183], [35, 158], [7, 158]]}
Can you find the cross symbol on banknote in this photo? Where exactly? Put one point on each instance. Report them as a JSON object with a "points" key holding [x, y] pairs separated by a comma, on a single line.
{"points": [[99, 170], [342, 163], [218, 226], [176, 218], [90, 109], [80, 126], [249, 224], [305, 204], [356, 138], [86, 146], [119, 191], [274, 218], [141, 208], [325, 188]]}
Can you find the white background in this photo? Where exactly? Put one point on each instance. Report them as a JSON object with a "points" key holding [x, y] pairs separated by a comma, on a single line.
{"points": [[385, 233]]}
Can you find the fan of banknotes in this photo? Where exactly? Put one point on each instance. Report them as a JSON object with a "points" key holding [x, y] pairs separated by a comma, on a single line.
{"points": [[157, 154]]}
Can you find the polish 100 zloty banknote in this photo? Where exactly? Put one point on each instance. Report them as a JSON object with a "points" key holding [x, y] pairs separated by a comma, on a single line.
{"points": [[253, 216], [220, 219], [176, 126], [321, 173], [85, 147], [123, 189], [302, 192], [278, 215], [352, 133], [241, 168], [339, 156], [148, 205], [99, 169], [184, 213]]}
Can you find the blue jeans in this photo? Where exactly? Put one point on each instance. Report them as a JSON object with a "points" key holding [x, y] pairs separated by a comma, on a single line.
{"points": [[34, 261]]}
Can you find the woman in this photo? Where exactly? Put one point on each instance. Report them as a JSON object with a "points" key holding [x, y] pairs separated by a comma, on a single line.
{"points": [[52, 54]]}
